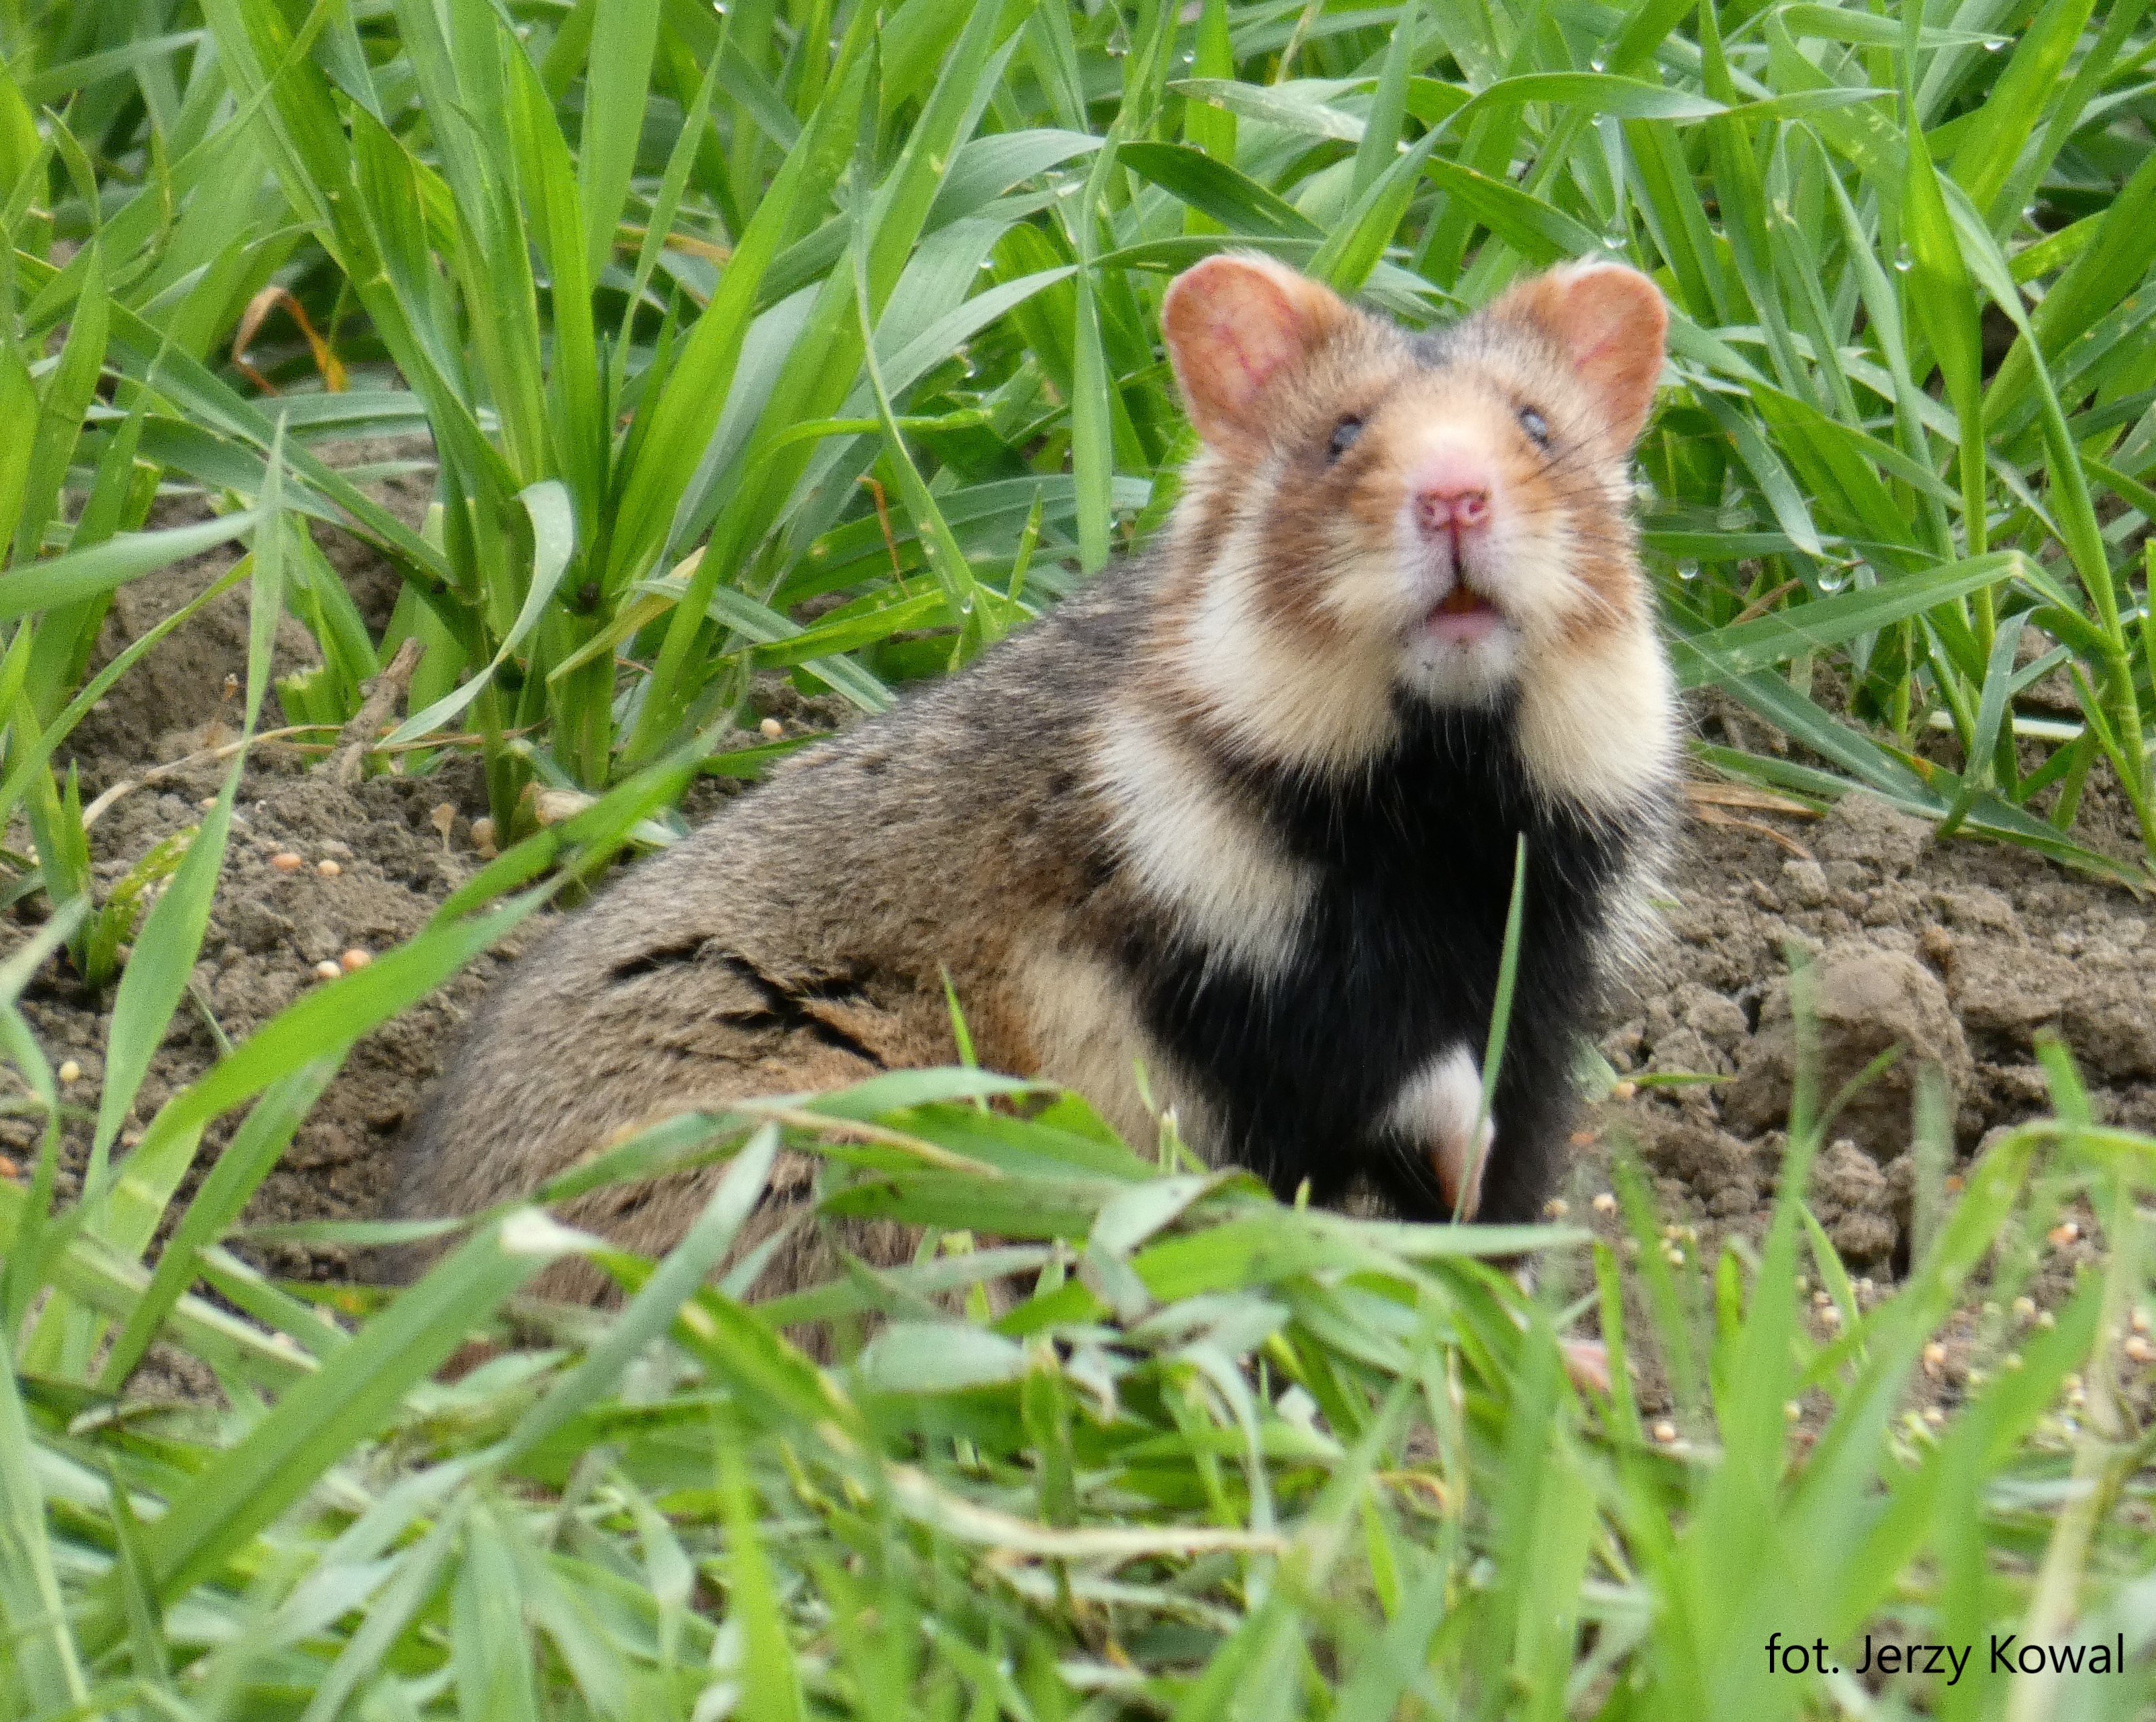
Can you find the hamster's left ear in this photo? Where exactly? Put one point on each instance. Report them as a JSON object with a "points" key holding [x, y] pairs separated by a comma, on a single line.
{"points": [[1609, 320], [1238, 327]]}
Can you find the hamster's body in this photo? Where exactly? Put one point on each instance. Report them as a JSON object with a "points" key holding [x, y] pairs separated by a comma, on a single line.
{"points": [[1243, 812]]}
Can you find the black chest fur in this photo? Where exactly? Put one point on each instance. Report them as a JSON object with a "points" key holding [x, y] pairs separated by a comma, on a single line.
{"points": [[1397, 962]]}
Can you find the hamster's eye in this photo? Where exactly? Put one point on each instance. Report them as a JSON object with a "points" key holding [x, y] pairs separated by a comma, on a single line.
{"points": [[1536, 426], [1343, 437]]}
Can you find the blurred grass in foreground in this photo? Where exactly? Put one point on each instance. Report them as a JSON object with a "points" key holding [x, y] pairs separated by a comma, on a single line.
{"points": [[1200, 1455]]}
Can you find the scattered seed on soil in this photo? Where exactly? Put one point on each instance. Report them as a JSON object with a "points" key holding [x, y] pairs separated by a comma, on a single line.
{"points": [[8, 1169], [2046, 1320], [1792, 1410], [1934, 1416], [1935, 1359], [1666, 1431], [327, 969], [2025, 1309], [286, 861], [2139, 1350], [328, 869], [355, 959], [552, 806], [70, 1072], [771, 729], [1557, 1207], [482, 837], [1605, 1203]]}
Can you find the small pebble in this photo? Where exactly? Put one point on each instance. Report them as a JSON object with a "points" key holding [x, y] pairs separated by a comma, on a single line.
{"points": [[1865, 1288], [328, 869], [206, 803], [8, 1169], [2046, 1320], [2140, 1321], [771, 729], [355, 959], [1934, 1416], [1820, 1300], [1674, 1256], [2139, 1350], [2025, 1309], [1935, 1357], [286, 861], [70, 1070], [1582, 1139], [1605, 1203], [1666, 1431], [1830, 1318], [1804, 1282], [327, 969], [1624, 1091]]}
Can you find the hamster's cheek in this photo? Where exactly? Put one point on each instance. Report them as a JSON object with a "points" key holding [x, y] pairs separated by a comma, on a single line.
{"points": [[1529, 576], [1373, 592]]}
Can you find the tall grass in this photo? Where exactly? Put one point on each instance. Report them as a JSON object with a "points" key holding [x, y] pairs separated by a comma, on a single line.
{"points": [[811, 338]]}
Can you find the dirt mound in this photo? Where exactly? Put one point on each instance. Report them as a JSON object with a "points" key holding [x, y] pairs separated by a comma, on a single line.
{"points": [[372, 867]]}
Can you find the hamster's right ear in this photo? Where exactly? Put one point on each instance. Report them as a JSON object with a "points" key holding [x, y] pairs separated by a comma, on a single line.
{"points": [[1234, 324]]}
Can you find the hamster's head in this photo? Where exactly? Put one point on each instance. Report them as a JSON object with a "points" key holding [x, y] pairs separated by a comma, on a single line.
{"points": [[1440, 517]]}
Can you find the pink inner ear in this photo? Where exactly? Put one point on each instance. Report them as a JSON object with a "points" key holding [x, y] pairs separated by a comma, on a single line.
{"points": [[1612, 320], [1233, 324]]}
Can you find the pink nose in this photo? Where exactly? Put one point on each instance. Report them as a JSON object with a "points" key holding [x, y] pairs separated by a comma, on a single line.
{"points": [[1452, 492], [1441, 511]]}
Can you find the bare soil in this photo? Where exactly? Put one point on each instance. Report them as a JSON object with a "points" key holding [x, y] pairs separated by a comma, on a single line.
{"points": [[1965, 954]]}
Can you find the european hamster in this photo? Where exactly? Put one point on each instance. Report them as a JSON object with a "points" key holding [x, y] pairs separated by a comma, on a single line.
{"points": [[1243, 811]]}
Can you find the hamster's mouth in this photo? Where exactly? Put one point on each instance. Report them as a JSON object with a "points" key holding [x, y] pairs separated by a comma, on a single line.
{"points": [[1463, 616]]}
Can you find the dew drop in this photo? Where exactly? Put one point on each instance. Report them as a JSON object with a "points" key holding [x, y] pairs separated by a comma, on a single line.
{"points": [[1687, 571], [1833, 579], [1903, 261], [1992, 44], [1598, 64]]}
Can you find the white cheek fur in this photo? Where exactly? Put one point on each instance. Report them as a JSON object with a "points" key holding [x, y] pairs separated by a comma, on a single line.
{"points": [[1599, 722], [1198, 853], [1284, 699]]}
